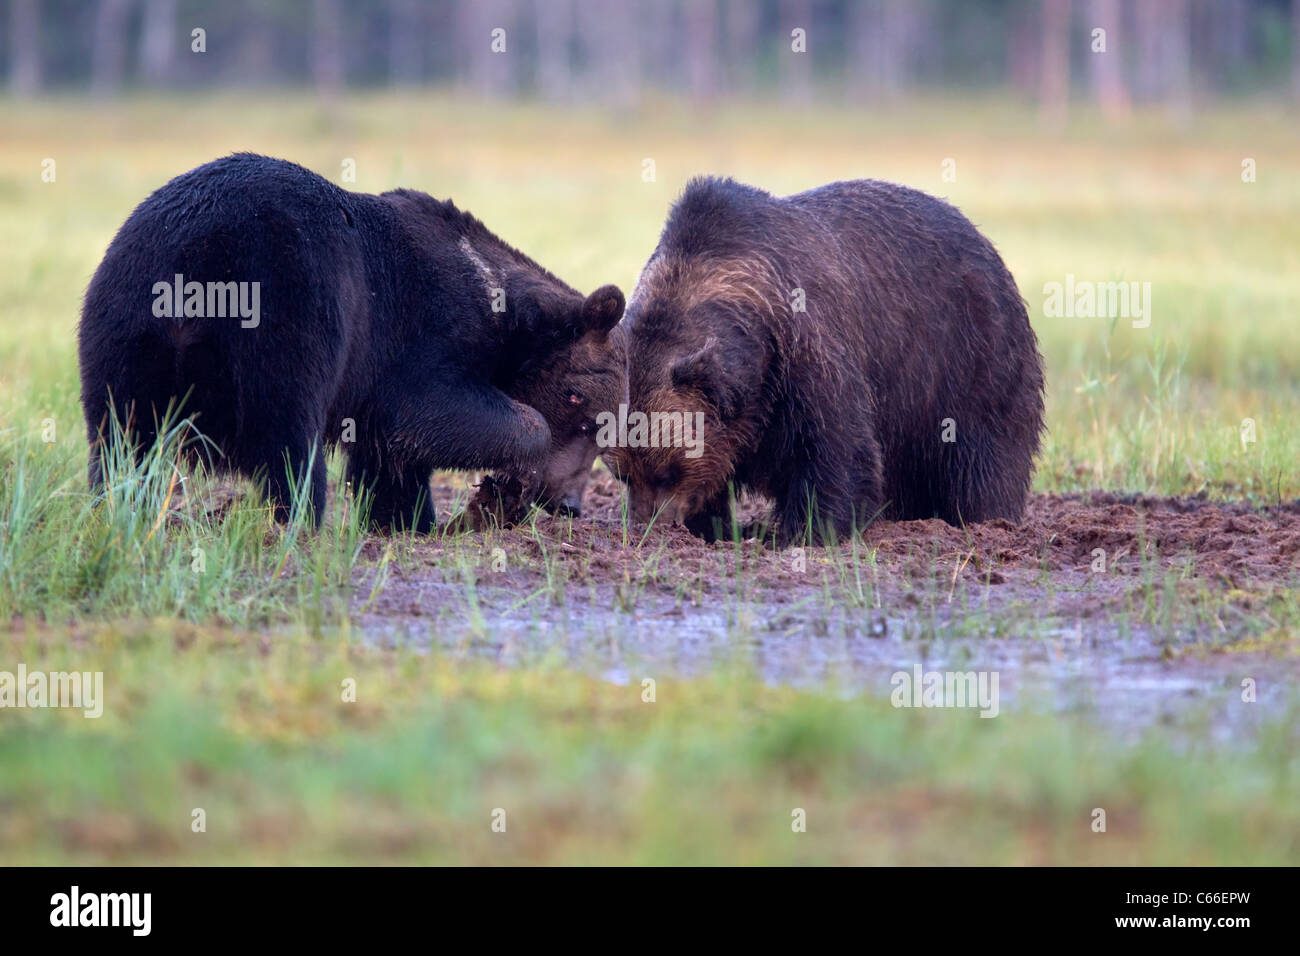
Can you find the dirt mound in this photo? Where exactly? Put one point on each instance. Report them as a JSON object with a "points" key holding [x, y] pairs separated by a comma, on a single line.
{"points": [[1127, 606], [1231, 543], [1227, 540]]}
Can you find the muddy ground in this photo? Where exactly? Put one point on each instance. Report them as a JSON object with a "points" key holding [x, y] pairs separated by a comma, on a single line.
{"points": [[1139, 609]]}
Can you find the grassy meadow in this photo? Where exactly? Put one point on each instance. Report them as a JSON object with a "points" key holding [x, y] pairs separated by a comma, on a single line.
{"points": [[223, 687]]}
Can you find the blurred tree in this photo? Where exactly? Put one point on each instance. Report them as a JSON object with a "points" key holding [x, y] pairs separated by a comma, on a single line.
{"points": [[158, 41], [1163, 32], [404, 60], [742, 45], [879, 35], [701, 49], [797, 52], [554, 22], [1146, 33], [1295, 49], [1054, 63], [1220, 28], [1023, 48], [660, 44], [252, 35], [1106, 65], [610, 34], [327, 48], [25, 47], [613, 51], [1178, 66], [109, 49], [484, 27]]}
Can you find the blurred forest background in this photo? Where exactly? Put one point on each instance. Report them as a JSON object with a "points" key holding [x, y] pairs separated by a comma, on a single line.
{"points": [[1150, 141], [1178, 52], [1173, 161]]}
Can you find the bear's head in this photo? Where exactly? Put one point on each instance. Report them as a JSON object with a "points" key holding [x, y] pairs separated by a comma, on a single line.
{"points": [[695, 400], [576, 370]]}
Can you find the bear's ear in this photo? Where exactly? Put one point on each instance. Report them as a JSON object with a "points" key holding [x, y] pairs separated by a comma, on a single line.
{"points": [[602, 310], [702, 371], [535, 308]]}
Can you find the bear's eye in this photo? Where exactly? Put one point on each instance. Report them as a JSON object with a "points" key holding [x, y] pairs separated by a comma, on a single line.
{"points": [[576, 398], [665, 478]]}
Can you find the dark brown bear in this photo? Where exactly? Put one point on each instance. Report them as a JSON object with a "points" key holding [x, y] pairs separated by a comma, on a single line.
{"points": [[857, 351], [396, 327], [571, 388]]}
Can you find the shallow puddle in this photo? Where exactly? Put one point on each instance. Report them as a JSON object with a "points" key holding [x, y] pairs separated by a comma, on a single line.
{"points": [[1135, 612]]}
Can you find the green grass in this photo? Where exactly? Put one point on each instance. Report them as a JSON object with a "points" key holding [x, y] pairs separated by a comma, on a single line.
{"points": [[149, 545], [1146, 203], [223, 685], [255, 732], [1157, 409]]}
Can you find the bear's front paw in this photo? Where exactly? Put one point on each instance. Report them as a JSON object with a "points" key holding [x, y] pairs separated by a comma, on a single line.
{"points": [[499, 503]]}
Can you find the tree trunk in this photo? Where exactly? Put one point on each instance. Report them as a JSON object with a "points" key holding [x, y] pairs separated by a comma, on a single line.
{"points": [[1054, 64], [404, 61], [554, 21], [158, 42], [742, 44], [613, 53], [864, 28], [108, 57], [1179, 62], [25, 48], [327, 48], [254, 62], [880, 34], [701, 49], [660, 42], [796, 67], [1022, 56], [1147, 27], [1295, 49], [489, 71], [1107, 68]]}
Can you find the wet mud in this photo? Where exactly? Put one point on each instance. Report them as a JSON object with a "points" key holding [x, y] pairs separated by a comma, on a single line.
{"points": [[1134, 609]]}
